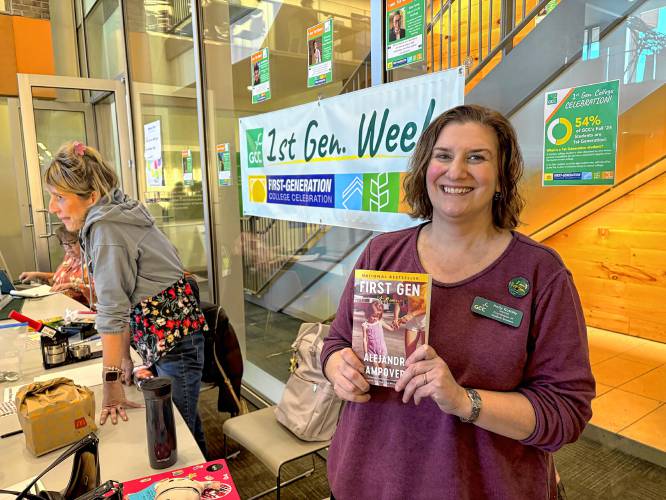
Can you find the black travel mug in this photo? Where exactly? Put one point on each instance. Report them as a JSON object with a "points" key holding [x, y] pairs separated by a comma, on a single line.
{"points": [[160, 423]]}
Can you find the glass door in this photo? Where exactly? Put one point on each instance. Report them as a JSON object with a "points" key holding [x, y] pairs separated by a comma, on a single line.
{"points": [[56, 123], [58, 109]]}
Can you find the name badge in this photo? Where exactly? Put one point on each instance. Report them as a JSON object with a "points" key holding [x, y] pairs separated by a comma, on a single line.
{"points": [[498, 312]]}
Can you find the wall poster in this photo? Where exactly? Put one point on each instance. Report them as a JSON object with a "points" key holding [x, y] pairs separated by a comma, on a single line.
{"points": [[188, 172], [580, 135], [152, 153]]}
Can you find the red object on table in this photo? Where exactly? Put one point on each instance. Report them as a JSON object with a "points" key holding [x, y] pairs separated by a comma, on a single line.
{"points": [[215, 470], [38, 326]]}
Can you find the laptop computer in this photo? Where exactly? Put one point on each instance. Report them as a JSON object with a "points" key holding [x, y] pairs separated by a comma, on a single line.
{"points": [[32, 291], [9, 287], [8, 282]]}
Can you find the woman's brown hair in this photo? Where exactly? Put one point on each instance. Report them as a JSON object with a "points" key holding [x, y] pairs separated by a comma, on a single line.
{"points": [[80, 169], [506, 210], [65, 236]]}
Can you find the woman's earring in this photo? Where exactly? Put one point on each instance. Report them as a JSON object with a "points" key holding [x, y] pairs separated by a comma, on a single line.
{"points": [[497, 196]]}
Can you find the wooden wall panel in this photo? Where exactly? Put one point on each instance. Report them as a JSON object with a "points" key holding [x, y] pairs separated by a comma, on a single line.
{"points": [[8, 84], [618, 259], [25, 47], [34, 49]]}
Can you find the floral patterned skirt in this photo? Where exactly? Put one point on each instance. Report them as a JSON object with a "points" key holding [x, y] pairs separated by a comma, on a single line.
{"points": [[159, 322]]}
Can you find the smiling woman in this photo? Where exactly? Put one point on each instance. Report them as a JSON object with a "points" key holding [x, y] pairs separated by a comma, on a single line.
{"points": [[505, 379], [497, 137], [462, 175]]}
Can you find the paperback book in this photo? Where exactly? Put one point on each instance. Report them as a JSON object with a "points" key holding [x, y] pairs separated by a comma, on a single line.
{"points": [[391, 319], [209, 481]]}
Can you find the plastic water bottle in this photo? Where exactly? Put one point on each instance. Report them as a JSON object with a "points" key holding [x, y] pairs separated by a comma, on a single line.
{"points": [[160, 423]]}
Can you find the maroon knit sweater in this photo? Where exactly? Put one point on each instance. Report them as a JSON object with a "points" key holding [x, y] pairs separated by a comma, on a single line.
{"points": [[384, 449]]}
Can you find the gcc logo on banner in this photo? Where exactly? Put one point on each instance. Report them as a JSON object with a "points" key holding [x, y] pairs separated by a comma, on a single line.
{"points": [[255, 154]]}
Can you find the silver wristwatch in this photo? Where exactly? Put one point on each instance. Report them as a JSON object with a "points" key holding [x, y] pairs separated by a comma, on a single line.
{"points": [[476, 406]]}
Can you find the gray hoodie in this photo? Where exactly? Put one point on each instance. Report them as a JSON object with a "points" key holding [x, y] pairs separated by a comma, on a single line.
{"points": [[129, 258]]}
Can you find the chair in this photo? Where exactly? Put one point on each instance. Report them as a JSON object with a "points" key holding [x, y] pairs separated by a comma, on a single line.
{"points": [[273, 444]]}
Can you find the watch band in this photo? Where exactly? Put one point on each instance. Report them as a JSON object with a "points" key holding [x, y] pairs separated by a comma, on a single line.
{"points": [[111, 376], [111, 373], [476, 406]]}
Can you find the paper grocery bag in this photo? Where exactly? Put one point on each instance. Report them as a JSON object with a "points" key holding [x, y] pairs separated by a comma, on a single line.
{"points": [[55, 413]]}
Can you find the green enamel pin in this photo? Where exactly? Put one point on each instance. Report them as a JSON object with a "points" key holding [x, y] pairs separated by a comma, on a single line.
{"points": [[519, 286]]}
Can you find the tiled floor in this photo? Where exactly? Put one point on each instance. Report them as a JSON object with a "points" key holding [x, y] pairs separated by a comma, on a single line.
{"points": [[631, 386]]}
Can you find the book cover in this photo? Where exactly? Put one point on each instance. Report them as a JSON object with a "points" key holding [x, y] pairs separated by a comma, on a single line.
{"points": [[391, 319], [212, 479]]}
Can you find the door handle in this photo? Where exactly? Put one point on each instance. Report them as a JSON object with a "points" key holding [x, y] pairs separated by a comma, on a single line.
{"points": [[49, 224]]}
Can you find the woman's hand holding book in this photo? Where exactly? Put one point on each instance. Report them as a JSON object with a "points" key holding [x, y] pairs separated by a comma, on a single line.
{"points": [[345, 371]]}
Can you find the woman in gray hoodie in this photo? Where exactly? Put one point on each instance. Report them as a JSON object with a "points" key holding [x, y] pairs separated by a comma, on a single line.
{"points": [[142, 296]]}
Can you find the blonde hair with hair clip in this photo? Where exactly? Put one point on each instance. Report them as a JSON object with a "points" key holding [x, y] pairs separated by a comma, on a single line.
{"points": [[80, 170]]}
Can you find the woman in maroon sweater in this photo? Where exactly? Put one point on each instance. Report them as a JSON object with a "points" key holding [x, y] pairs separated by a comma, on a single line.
{"points": [[481, 408]]}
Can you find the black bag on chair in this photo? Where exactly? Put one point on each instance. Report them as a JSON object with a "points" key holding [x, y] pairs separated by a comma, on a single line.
{"points": [[84, 482]]}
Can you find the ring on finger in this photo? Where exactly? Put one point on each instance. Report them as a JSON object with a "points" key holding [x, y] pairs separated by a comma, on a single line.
{"points": [[425, 378]]}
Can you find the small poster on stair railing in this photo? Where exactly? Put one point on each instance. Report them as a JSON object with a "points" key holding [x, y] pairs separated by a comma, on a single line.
{"points": [[405, 28], [320, 53], [261, 76], [580, 135]]}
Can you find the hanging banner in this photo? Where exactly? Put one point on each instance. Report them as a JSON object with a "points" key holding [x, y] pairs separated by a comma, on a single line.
{"points": [[341, 161], [260, 72], [580, 130], [223, 158], [405, 28], [186, 161], [320, 53]]}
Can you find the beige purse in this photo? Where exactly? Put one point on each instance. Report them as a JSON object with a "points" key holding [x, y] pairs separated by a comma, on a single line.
{"points": [[309, 406]]}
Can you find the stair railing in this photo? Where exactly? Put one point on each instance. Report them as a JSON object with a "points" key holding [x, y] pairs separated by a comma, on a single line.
{"points": [[359, 79], [514, 17], [269, 245]]}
